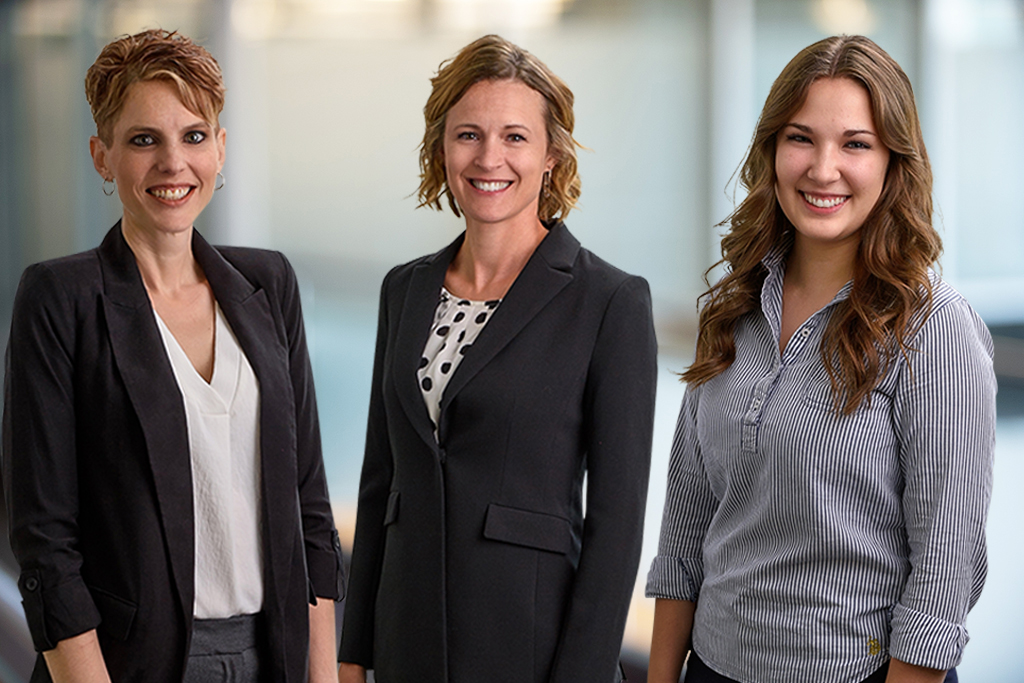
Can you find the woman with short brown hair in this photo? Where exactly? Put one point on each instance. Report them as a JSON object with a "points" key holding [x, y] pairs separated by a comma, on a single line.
{"points": [[161, 450], [508, 365]]}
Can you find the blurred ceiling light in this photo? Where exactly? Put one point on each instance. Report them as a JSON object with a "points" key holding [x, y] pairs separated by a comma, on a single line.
{"points": [[475, 15], [131, 16], [254, 19], [264, 19], [47, 18], [851, 17], [964, 24]]}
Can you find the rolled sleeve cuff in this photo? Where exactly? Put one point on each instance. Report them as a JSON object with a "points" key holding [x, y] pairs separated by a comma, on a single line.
{"points": [[675, 578], [924, 640], [58, 612], [326, 570]]}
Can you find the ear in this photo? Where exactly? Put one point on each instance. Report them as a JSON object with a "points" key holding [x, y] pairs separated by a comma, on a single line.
{"points": [[222, 139], [98, 151]]}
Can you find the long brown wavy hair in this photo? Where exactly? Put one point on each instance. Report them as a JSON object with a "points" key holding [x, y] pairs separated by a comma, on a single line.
{"points": [[891, 292]]}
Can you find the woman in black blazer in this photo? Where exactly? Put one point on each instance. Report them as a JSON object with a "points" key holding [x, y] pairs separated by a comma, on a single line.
{"points": [[508, 365], [112, 504]]}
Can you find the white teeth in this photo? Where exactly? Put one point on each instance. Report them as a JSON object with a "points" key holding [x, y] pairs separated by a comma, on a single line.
{"points": [[491, 186], [170, 195], [824, 203]]}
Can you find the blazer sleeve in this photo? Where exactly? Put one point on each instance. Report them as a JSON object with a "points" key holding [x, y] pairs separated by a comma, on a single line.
{"points": [[374, 486], [40, 460], [619, 419], [323, 548]]}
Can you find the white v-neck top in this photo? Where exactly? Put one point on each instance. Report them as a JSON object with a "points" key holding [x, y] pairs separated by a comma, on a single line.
{"points": [[223, 435], [457, 323]]}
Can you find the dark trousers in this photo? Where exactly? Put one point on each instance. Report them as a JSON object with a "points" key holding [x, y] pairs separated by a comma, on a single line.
{"points": [[698, 672], [225, 650]]}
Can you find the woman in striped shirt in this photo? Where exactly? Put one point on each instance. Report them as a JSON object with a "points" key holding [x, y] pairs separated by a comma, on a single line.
{"points": [[831, 468]]}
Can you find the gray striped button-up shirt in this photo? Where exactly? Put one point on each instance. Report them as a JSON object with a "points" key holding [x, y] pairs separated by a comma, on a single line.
{"points": [[818, 545]]}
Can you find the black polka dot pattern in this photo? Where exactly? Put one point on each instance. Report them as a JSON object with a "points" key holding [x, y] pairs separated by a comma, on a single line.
{"points": [[461, 320]]}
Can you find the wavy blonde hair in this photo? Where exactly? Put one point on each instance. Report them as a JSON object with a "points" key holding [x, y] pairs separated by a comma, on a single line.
{"points": [[492, 58], [891, 292], [147, 56]]}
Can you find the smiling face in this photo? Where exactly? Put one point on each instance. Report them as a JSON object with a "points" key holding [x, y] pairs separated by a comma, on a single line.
{"points": [[164, 159], [496, 153], [830, 164]]}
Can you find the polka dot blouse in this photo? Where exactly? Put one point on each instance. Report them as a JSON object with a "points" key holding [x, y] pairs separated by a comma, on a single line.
{"points": [[457, 323]]}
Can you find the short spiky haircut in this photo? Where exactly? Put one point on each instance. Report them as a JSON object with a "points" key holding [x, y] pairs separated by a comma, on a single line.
{"points": [[149, 56], [492, 58]]}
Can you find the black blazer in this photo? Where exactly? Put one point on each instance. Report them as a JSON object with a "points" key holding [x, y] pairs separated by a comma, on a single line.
{"points": [[473, 560], [96, 460]]}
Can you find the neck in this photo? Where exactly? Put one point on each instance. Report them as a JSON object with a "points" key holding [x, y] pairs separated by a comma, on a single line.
{"points": [[821, 268], [491, 258], [165, 260]]}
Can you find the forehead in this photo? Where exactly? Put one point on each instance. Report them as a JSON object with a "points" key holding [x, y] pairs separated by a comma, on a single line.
{"points": [[841, 101], [155, 104], [504, 102]]}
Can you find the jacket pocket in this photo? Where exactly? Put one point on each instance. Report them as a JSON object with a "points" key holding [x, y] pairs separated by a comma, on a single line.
{"points": [[531, 529], [117, 614], [391, 515]]}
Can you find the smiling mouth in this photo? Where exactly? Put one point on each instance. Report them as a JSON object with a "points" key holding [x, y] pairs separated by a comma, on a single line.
{"points": [[171, 194], [824, 202], [490, 185]]}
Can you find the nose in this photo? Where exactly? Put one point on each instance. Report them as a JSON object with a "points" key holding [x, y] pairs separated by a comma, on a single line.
{"points": [[825, 165], [490, 154], [171, 158]]}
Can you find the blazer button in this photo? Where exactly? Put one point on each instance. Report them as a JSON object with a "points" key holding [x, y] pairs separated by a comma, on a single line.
{"points": [[31, 583]]}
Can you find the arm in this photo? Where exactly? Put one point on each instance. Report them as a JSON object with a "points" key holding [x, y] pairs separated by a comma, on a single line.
{"points": [[673, 622], [944, 414], [321, 642], [619, 420], [77, 660], [323, 549], [356, 651], [678, 570], [40, 466]]}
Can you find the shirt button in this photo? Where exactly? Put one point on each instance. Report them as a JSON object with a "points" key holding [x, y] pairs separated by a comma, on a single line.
{"points": [[805, 333], [756, 403], [31, 583]]}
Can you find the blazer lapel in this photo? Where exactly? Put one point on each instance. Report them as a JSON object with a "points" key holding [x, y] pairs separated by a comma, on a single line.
{"points": [[413, 327], [149, 380], [247, 310], [547, 272]]}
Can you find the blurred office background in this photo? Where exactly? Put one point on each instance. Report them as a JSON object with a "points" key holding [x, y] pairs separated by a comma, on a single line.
{"points": [[324, 116]]}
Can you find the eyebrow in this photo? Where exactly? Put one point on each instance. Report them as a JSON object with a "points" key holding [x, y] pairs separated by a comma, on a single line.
{"points": [[507, 126], [846, 133], [149, 129]]}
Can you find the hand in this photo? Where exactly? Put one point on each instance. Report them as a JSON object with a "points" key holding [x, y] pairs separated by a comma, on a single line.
{"points": [[351, 673], [901, 672]]}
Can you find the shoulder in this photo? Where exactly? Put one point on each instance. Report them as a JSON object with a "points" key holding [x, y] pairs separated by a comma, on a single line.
{"points": [[68, 277], [264, 267], [951, 321]]}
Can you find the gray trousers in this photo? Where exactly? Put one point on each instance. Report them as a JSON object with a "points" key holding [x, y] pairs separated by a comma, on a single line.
{"points": [[225, 650]]}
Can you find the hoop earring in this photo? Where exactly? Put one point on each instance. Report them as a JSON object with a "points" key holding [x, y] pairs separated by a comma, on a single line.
{"points": [[113, 187], [223, 181]]}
